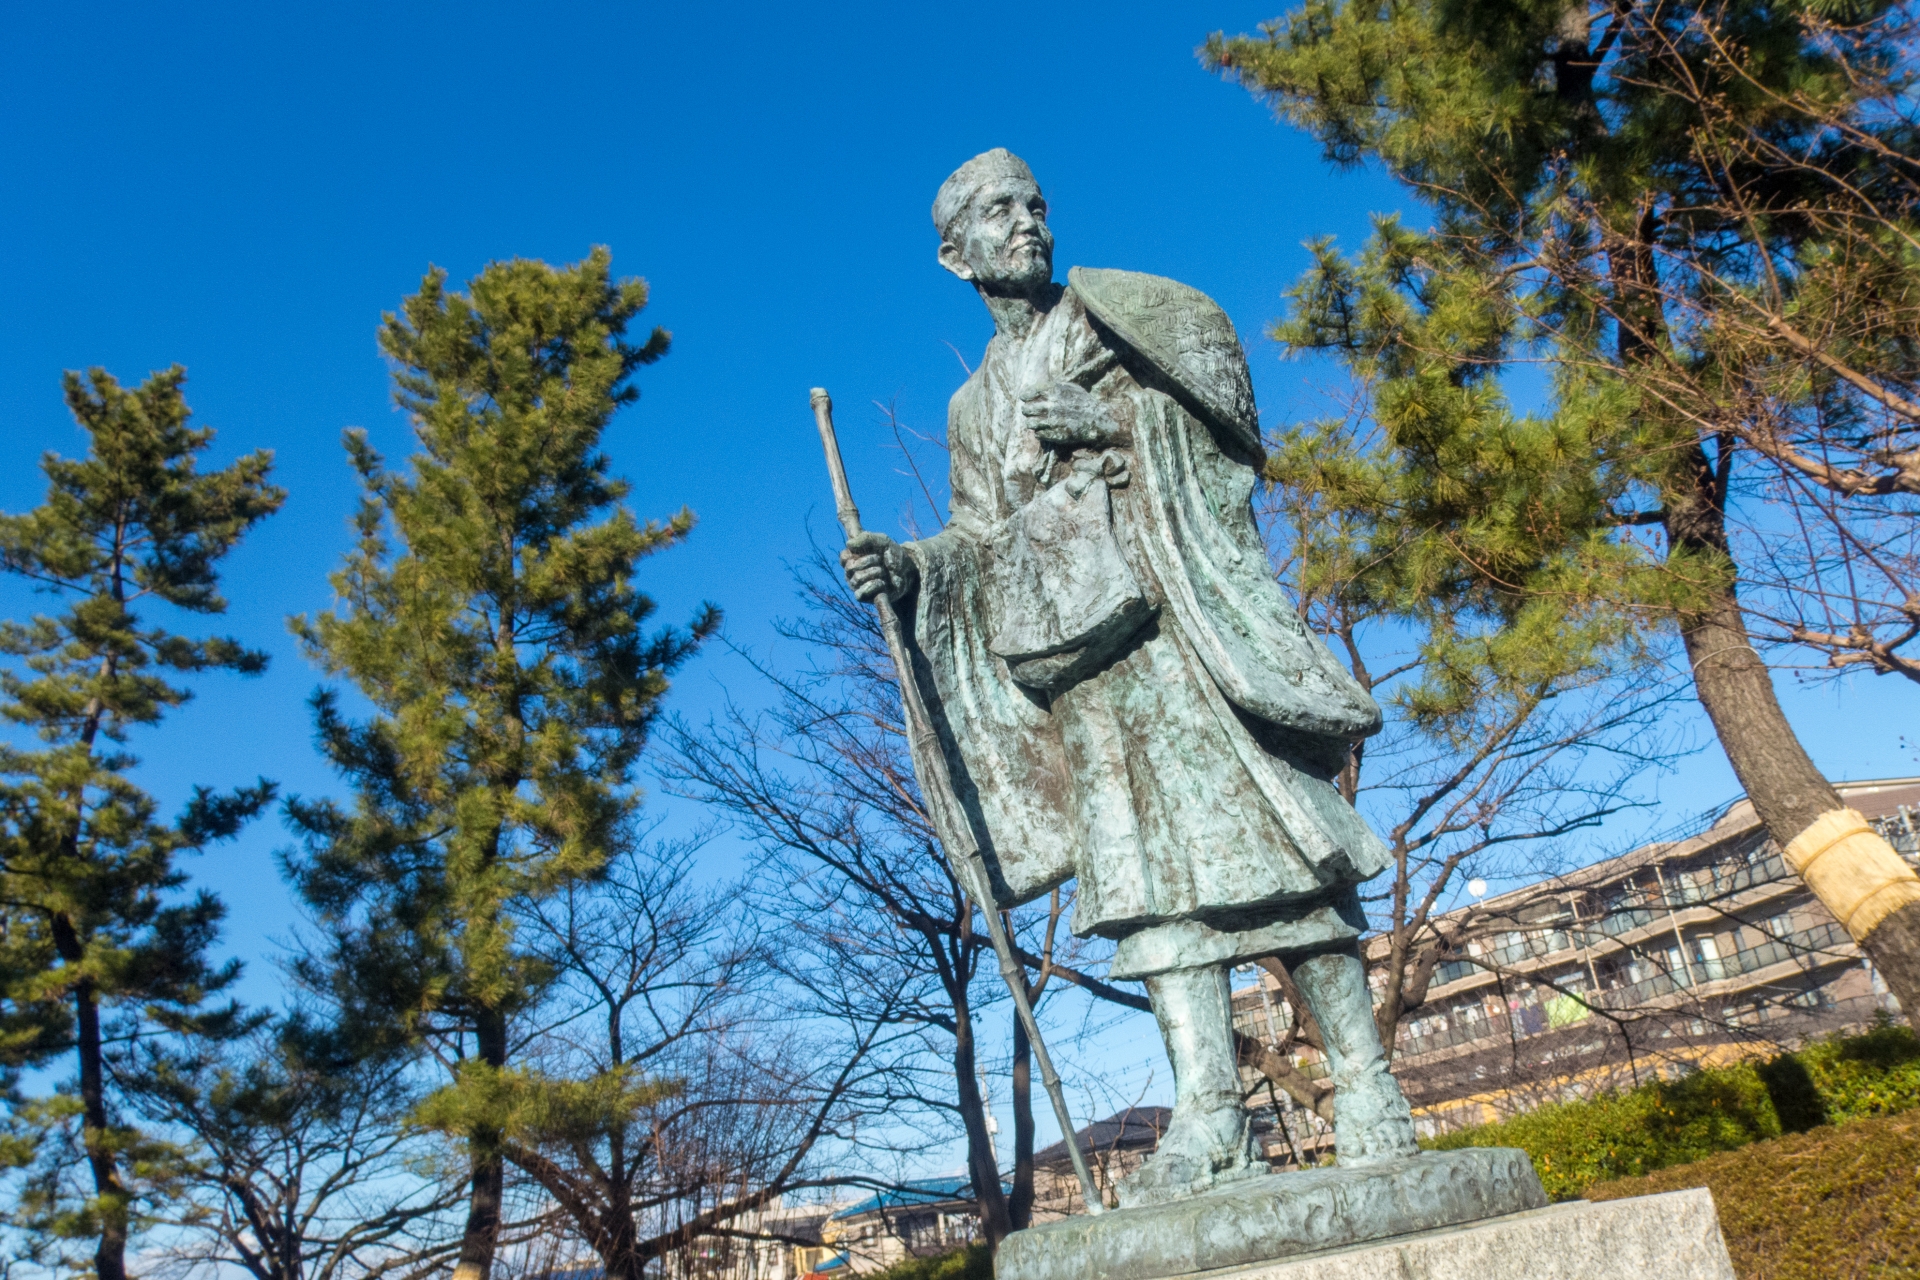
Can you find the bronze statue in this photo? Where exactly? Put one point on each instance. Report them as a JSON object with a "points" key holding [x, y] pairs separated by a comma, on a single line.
{"points": [[1124, 694]]}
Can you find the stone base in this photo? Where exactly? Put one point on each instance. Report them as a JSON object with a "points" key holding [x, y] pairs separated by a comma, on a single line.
{"points": [[1278, 1216], [1675, 1236]]}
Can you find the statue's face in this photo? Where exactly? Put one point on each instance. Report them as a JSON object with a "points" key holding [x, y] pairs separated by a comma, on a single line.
{"points": [[1002, 242]]}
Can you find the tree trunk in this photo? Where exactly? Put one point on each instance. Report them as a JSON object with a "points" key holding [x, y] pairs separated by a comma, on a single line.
{"points": [[1279, 1070], [622, 1256], [1020, 1204], [987, 1191], [483, 1208], [1788, 793], [1736, 689], [482, 1234], [110, 1256], [1406, 992]]}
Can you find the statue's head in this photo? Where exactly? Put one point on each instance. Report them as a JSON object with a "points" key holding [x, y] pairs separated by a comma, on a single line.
{"points": [[993, 225]]}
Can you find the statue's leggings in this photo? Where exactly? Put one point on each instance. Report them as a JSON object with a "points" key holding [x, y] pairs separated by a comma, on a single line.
{"points": [[1195, 1012]]}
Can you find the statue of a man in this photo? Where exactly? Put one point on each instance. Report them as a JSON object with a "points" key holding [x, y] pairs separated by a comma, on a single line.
{"points": [[1126, 696]]}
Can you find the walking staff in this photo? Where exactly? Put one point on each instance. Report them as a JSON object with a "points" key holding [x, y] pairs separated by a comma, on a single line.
{"points": [[943, 807]]}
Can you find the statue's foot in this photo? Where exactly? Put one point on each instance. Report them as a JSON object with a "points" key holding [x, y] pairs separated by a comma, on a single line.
{"points": [[1200, 1150], [1371, 1120]]}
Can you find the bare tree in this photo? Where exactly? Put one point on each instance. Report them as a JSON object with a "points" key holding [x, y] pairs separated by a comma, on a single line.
{"points": [[823, 784], [297, 1167], [669, 1100], [1507, 730]]}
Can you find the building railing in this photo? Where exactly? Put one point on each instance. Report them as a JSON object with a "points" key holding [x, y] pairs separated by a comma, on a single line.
{"points": [[1638, 911], [1817, 943], [1723, 879], [1633, 907], [1626, 920], [1532, 1014]]}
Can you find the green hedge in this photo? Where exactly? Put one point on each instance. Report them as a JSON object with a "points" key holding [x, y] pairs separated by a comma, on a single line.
{"points": [[975, 1262], [1623, 1135], [1877, 1074]]}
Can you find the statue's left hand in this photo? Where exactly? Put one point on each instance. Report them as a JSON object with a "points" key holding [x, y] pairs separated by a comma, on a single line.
{"points": [[1068, 416]]}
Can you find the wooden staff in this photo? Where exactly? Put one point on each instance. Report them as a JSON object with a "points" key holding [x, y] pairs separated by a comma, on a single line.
{"points": [[943, 807]]}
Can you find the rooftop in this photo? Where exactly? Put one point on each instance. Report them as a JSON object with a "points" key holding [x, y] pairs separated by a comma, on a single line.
{"points": [[1124, 1130], [922, 1191]]}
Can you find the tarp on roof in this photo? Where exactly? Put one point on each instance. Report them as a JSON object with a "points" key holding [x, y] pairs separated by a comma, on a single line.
{"points": [[920, 1192]]}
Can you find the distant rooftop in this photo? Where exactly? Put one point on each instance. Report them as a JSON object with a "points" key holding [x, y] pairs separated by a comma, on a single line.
{"points": [[922, 1191], [1122, 1131], [1874, 798]]}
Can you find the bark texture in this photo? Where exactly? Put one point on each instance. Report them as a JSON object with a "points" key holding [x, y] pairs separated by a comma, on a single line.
{"points": [[1894, 948], [482, 1235], [981, 1165], [1734, 686], [1020, 1203], [110, 1255]]}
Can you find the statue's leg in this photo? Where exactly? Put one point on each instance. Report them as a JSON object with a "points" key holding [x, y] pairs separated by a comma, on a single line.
{"points": [[1207, 1140], [1371, 1121]]}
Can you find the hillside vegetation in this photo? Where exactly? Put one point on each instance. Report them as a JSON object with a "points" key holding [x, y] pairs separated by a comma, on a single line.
{"points": [[1835, 1203]]}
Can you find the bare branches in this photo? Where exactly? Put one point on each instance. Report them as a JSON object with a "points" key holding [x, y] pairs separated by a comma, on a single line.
{"points": [[675, 1103], [299, 1172], [823, 787], [1516, 715]]}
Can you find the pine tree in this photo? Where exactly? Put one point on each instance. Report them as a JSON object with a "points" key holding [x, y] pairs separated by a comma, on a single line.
{"points": [[1521, 704], [1702, 214], [488, 614], [97, 946]]}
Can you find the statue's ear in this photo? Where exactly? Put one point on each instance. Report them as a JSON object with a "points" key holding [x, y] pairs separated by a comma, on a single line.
{"points": [[953, 260]]}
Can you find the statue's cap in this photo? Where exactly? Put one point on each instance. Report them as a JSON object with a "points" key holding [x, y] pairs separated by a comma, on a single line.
{"points": [[961, 186]]}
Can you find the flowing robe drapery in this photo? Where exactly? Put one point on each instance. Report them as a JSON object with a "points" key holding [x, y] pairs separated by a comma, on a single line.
{"points": [[1186, 780]]}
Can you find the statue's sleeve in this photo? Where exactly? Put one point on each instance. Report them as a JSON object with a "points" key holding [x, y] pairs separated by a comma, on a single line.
{"points": [[1196, 451], [1004, 751], [1208, 553]]}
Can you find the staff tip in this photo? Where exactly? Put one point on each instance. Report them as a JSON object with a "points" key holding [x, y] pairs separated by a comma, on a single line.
{"points": [[819, 396]]}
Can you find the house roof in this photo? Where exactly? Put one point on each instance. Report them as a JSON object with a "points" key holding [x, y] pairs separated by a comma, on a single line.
{"points": [[923, 1191], [1127, 1130]]}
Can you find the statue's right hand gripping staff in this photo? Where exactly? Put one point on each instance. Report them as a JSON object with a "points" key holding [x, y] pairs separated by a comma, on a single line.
{"points": [[943, 807]]}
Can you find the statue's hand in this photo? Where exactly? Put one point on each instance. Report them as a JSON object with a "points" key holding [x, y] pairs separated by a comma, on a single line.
{"points": [[876, 565], [1067, 416]]}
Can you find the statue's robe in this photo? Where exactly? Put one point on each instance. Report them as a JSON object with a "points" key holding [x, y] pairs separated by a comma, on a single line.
{"points": [[1183, 771]]}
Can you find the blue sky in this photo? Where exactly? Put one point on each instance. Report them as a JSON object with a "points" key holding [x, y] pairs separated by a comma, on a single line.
{"points": [[243, 189]]}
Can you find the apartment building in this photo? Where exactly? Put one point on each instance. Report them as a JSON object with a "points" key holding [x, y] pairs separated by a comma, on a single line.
{"points": [[1681, 953], [915, 1220]]}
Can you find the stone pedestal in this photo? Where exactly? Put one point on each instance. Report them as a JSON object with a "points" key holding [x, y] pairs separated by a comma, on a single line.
{"points": [[1279, 1216], [1675, 1236]]}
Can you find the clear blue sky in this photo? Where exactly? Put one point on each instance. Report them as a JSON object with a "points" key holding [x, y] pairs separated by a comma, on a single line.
{"points": [[244, 188]]}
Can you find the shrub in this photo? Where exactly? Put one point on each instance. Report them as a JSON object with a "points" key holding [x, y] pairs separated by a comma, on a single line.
{"points": [[1671, 1122], [1876, 1074], [975, 1262], [1620, 1135]]}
